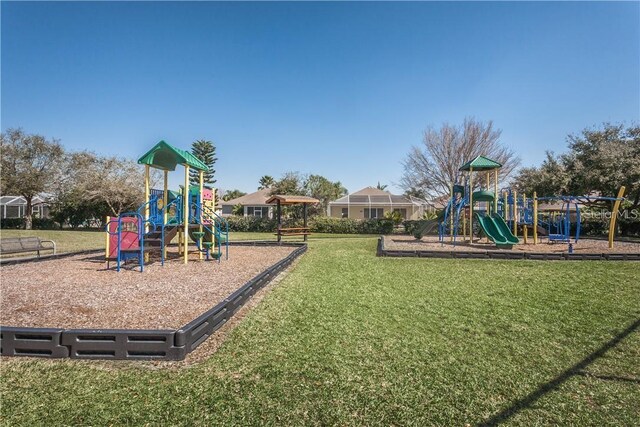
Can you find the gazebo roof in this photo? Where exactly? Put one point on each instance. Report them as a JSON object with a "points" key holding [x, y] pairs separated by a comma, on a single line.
{"points": [[290, 200], [166, 157], [480, 163]]}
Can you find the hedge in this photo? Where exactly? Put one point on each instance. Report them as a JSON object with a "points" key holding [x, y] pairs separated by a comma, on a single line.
{"points": [[36, 224], [319, 224]]}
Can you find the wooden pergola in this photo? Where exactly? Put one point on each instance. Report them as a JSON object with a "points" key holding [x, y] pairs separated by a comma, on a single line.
{"points": [[280, 200]]}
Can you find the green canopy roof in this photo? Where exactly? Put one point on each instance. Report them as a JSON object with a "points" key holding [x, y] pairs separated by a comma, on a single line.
{"points": [[167, 157], [480, 163]]}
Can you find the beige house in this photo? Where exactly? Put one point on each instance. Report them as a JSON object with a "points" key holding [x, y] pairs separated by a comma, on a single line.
{"points": [[371, 202], [254, 204]]}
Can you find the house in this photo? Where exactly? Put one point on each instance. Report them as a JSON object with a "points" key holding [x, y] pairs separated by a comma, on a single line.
{"points": [[16, 206], [372, 202], [254, 204]]}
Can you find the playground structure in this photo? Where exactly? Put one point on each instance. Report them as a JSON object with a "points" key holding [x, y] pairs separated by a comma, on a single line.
{"points": [[501, 218], [188, 213]]}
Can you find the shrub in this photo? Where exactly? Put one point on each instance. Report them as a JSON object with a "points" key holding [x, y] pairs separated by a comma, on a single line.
{"points": [[317, 224], [44, 224], [251, 224], [13, 223], [394, 216], [37, 223], [325, 224]]}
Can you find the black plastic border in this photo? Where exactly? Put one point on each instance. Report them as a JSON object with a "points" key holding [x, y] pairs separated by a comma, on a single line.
{"points": [[140, 344], [503, 255]]}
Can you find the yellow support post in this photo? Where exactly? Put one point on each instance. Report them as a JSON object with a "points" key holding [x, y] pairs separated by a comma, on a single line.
{"points": [[505, 211], [614, 216], [107, 239], [165, 197], [471, 205], [201, 176], [464, 224], [185, 240], [165, 201], [495, 190], [451, 214], [526, 230], [146, 206], [535, 218], [146, 196], [515, 213], [488, 184]]}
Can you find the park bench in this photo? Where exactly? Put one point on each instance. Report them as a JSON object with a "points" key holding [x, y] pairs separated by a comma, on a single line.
{"points": [[17, 245]]}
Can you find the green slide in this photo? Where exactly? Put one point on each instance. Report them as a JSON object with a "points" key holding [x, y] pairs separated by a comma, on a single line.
{"points": [[492, 230], [504, 229]]}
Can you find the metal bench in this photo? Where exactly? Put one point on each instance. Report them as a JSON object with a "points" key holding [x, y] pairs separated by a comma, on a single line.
{"points": [[17, 245]]}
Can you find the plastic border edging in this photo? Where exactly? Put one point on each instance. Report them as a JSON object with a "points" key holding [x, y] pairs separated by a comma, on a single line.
{"points": [[139, 344]]}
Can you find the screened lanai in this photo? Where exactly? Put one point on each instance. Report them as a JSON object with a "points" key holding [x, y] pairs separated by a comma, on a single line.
{"points": [[371, 203]]}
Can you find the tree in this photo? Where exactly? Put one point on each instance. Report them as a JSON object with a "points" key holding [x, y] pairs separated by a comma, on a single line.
{"points": [[115, 182], [381, 186], [291, 183], [433, 167], [603, 160], [30, 165], [415, 192], [237, 210], [266, 181], [549, 179], [598, 161], [233, 194], [316, 186], [205, 151], [321, 188]]}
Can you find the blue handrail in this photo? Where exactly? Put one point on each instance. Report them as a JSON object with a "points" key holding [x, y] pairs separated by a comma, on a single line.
{"points": [[177, 204]]}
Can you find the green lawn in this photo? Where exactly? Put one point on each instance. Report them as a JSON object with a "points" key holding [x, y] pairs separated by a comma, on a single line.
{"points": [[70, 240], [66, 240], [351, 339]]}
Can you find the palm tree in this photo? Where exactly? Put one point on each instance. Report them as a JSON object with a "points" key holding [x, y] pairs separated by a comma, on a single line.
{"points": [[266, 181], [381, 186]]}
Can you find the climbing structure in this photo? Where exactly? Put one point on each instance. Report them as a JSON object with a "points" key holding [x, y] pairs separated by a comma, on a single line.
{"points": [[500, 219], [461, 212], [189, 214]]}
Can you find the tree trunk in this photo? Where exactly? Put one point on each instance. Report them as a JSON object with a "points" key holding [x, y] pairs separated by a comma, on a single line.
{"points": [[28, 221]]}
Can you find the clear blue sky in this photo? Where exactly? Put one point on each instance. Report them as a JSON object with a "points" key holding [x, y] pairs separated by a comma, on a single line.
{"points": [[338, 89]]}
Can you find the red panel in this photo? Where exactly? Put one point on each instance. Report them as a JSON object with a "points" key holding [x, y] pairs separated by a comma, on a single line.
{"points": [[128, 236]]}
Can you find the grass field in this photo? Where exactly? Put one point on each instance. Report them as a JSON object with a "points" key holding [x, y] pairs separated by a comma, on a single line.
{"points": [[350, 339], [70, 240]]}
